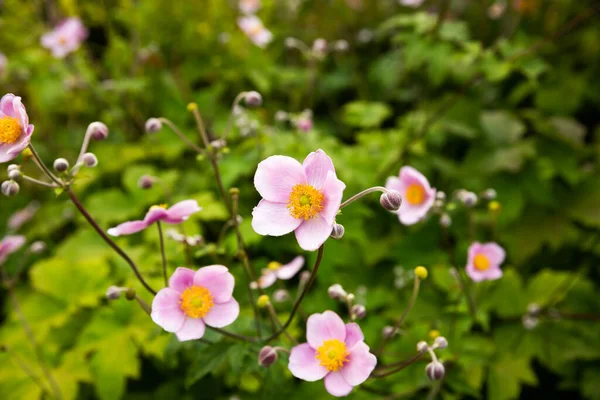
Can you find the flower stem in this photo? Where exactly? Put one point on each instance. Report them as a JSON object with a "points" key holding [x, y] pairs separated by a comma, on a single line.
{"points": [[463, 287], [399, 366], [233, 335], [38, 182], [236, 101], [201, 128], [162, 253], [184, 138], [362, 194], [43, 167], [274, 318]]}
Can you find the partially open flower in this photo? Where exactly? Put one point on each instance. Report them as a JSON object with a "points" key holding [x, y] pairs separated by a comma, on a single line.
{"points": [[9, 245], [15, 129], [65, 38], [253, 27], [417, 195], [276, 271], [484, 261]]}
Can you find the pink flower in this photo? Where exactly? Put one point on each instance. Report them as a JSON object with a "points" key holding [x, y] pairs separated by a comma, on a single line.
{"points": [[276, 271], [194, 300], [253, 27], [249, 6], [304, 124], [484, 261], [303, 198], [9, 245], [21, 217], [15, 129], [334, 351], [417, 195], [178, 213], [65, 38]]}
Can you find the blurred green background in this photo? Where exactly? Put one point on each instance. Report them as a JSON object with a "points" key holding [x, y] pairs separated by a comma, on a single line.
{"points": [[472, 99]]}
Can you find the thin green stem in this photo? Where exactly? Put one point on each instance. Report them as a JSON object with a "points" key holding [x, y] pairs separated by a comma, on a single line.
{"points": [[162, 253], [399, 366], [236, 101], [274, 318], [233, 335], [184, 138], [38, 182], [43, 167], [363, 194], [201, 128], [463, 287]]}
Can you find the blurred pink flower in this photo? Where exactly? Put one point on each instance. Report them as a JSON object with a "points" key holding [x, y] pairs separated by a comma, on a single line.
{"points": [[334, 351], [304, 124], [484, 261], [417, 195], [195, 299], [65, 38], [21, 217], [176, 214], [9, 245], [249, 6], [253, 27], [276, 271], [411, 3], [303, 198], [15, 129]]}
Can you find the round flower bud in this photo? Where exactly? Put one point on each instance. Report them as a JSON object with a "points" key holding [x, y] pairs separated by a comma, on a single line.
{"points": [[281, 116], [469, 199], [90, 160], [341, 46], [388, 331], [440, 195], [421, 272], [358, 311], [530, 322], [12, 166], [153, 125], [445, 220], [336, 292], [10, 188], [130, 294], [37, 247], [267, 356], [441, 342], [337, 232], [113, 292], [435, 370], [350, 297], [14, 174], [422, 346], [218, 144], [391, 200], [98, 130], [263, 301], [61, 165], [489, 194], [281, 295], [291, 42], [253, 99], [434, 333], [146, 182]]}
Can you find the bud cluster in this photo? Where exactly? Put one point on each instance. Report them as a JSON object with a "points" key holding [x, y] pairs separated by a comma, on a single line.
{"points": [[356, 311], [435, 369]]}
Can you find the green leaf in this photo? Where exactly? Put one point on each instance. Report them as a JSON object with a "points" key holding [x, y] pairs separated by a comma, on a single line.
{"points": [[206, 362], [362, 114], [506, 377], [501, 127]]}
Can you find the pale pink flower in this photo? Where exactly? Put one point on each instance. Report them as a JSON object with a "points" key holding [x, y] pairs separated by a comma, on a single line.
{"points": [[21, 217], [66, 37], [417, 195], [303, 198], [9, 245], [276, 271], [484, 261], [253, 27], [249, 6], [195, 299], [304, 124], [335, 351], [176, 214], [411, 3], [15, 129]]}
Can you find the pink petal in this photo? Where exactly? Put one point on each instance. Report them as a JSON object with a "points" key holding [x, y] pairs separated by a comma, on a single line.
{"points": [[192, 329], [181, 211], [322, 327], [316, 166], [166, 311], [267, 279], [290, 269], [474, 249], [360, 364], [336, 385], [12, 243], [127, 228], [312, 233], [276, 176], [218, 280], [155, 214], [409, 175], [333, 190], [494, 253], [6, 105], [223, 314], [394, 183], [304, 364], [492, 273], [353, 335], [181, 279], [273, 219]]}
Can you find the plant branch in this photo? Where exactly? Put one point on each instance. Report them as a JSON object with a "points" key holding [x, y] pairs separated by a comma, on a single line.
{"points": [[162, 253]]}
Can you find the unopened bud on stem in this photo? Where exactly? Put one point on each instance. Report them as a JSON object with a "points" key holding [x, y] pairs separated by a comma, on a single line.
{"points": [[358, 311], [267, 356], [441, 342], [61, 165], [146, 182], [338, 231], [10, 188], [90, 160], [435, 370], [391, 200], [153, 125], [98, 130], [14, 174], [253, 99], [337, 292]]}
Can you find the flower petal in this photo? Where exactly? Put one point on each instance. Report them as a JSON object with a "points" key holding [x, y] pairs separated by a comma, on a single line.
{"points": [[218, 280], [316, 166], [127, 228], [325, 326], [333, 190], [494, 253], [312, 233], [192, 329], [336, 385], [360, 364], [166, 311], [290, 269], [181, 279], [273, 219], [267, 279], [304, 365], [181, 211], [276, 176], [12, 243], [223, 314], [155, 214], [353, 335]]}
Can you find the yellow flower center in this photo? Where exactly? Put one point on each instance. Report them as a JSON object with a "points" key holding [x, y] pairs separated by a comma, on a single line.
{"points": [[481, 262], [305, 201], [10, 130], [415, 194], [62, 40], [196, 301], [274, 265], [332, 354], [156, 207]]}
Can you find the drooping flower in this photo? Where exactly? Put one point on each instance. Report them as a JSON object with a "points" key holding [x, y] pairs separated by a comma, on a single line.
{"points": [[195, 299], [176, 214], [253, 27], [484, 261], [276, 271], [15, 129], [334, 351], [418, 196], [249, 6], [65, 38], [9, 245], [303, 198]]}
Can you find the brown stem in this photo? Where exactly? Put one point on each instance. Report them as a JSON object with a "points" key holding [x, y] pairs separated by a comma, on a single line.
{"points": [[399, 366], [162, 253], [274, 318], [233, 335]]}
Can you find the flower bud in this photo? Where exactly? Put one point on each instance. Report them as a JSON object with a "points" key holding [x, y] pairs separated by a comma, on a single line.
{"points": [[391, 200], [441, 342], [350, 297], [281, 116], [253, 99], [341, 46], [37, 247], [336, 292], [421, 272], [61, 165], [14, 174], [489, 194], [90, 160], [533, 309], [445, 220], [146, 182], [530, 322], [281, 295], [440, 195], [358, 311], [291, 42], [263, 301], [422, 346], [267, 356], [469, 199], [388, 331], [153, 125], [113, 292], [98, 130], [10, 188], [494, 206], [218, 144], [435, 370], [337, 232], [130, 294], [12, 166]]}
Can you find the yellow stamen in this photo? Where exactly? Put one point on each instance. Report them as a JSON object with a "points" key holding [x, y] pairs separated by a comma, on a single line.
{"points": [[481, 262], [163, 206], [274, 265], [305, 201], [332, 354], [196, 301], [434, 333], [415, 194], [10, 130]]}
